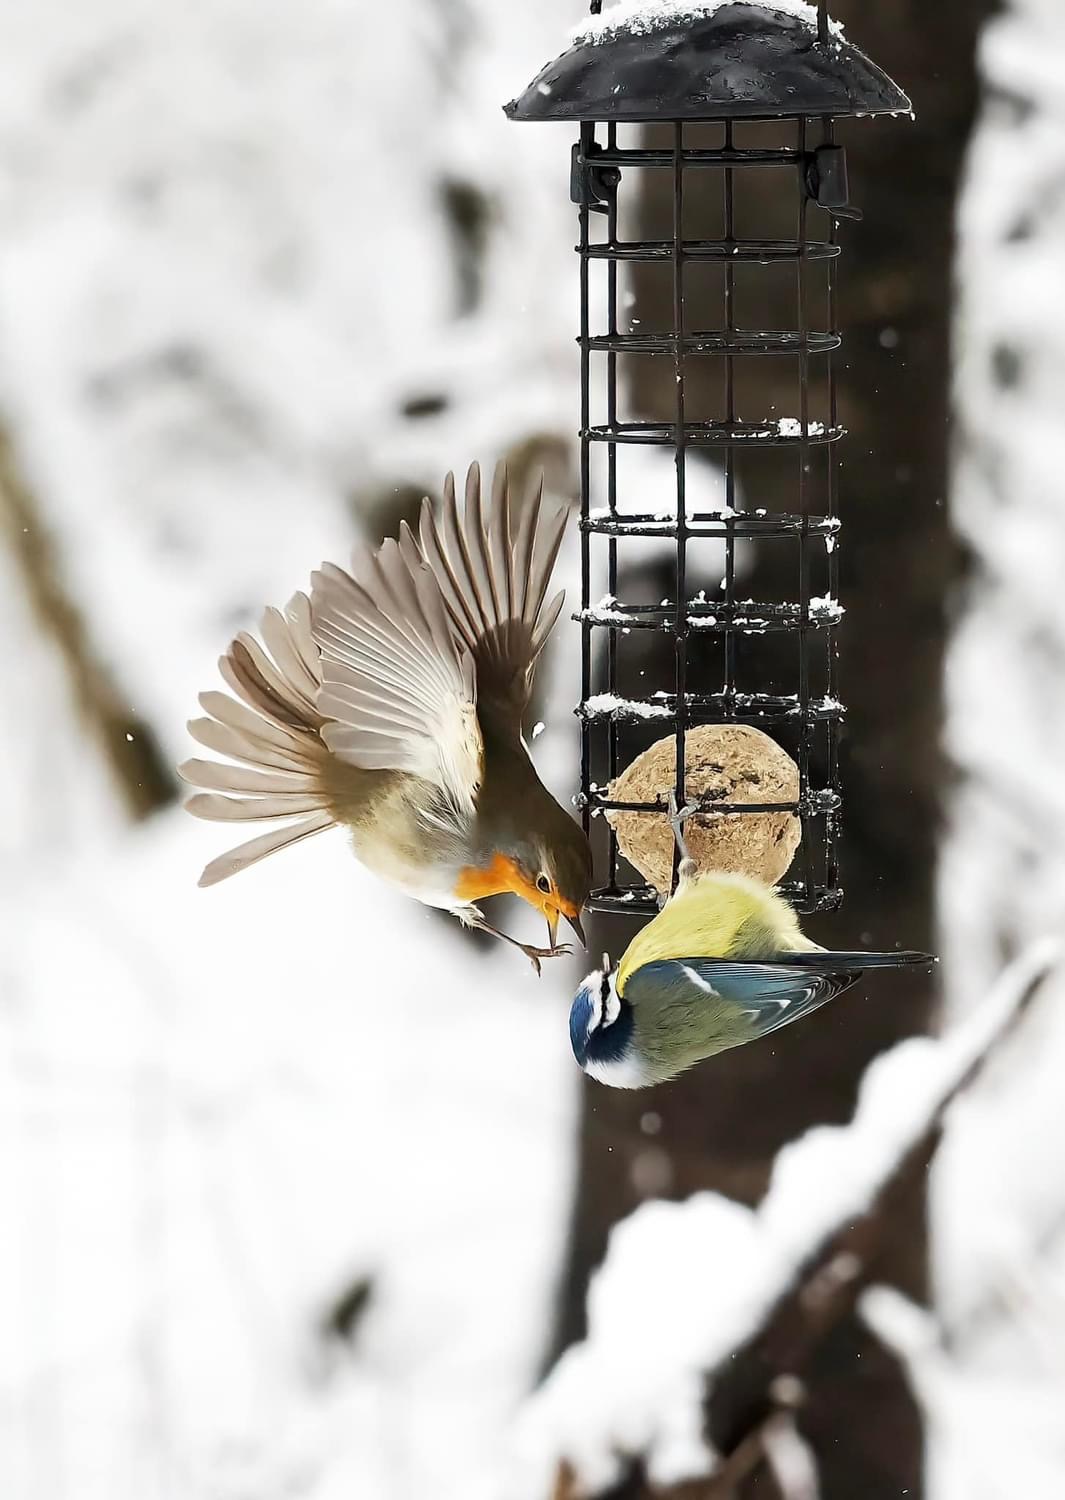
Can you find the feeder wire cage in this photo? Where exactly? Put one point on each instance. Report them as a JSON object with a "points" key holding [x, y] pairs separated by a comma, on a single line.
{"points": [[737, 65]]}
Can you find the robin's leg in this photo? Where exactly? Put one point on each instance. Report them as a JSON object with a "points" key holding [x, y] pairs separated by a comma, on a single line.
{"points": [[678, 816], [471, 917]]}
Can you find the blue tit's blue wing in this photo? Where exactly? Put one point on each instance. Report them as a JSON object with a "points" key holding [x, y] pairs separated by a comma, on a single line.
{"points": [[760, 997]]}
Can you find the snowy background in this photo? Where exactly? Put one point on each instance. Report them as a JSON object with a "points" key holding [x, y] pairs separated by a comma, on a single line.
{"points": [[284, 1212], [240, 243]]}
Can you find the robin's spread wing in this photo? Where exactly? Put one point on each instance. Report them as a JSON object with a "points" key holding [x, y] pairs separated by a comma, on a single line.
{"points": [[398, 688], [385, 668], [494, 565], [303, 725], [271, 728], [763, 996]]}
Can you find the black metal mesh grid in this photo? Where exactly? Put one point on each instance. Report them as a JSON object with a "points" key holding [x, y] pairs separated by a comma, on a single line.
{"points": [[722, 684]]}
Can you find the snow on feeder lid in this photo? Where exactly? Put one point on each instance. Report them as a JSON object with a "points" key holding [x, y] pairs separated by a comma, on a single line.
{"points": [[648, 60]]}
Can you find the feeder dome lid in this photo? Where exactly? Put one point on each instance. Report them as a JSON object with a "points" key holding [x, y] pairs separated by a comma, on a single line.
{"points": [[648, 60]]}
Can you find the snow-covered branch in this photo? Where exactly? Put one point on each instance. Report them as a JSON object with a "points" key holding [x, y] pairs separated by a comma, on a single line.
{"points": [[706, 1313]]}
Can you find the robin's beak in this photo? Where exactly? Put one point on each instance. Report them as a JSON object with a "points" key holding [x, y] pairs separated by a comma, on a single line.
{"points": [[554, 913], [575, 923]]}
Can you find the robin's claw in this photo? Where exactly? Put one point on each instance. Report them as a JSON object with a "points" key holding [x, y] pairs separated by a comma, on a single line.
{"points": [[534, 955], [473, 918]]}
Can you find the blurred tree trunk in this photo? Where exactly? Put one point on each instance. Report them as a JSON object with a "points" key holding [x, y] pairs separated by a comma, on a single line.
{"points": [[721, 1126]]}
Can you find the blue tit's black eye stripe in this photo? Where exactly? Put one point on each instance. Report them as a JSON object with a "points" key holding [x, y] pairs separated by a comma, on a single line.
{"points": [[610, 1041]]}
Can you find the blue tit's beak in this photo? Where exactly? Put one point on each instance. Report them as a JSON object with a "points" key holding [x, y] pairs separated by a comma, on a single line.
{"points": [[575, 923]]}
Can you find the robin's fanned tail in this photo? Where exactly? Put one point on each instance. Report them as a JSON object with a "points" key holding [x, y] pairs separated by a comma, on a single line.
{"points": [[391, 702]]}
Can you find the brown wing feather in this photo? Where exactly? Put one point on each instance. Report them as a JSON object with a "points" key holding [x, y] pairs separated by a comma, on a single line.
{"points": [[494, 570], [245, 855], [271, 729], [398, 686]]}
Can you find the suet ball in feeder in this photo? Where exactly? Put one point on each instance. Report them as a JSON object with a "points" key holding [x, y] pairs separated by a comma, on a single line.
{"points": [[726, 763]]}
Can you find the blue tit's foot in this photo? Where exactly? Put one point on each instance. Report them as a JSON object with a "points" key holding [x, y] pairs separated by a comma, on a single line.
{"points": [[678, 816]]}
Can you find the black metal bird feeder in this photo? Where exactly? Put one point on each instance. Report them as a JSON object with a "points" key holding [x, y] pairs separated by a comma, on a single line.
{"points": [[732, 89]]}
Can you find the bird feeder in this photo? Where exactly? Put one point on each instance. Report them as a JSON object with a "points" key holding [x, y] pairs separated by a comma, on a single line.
{"points": [[721, 91]]}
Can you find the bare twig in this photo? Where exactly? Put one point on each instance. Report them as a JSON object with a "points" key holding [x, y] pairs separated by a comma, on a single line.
{"points": [[737, 1466], [565, 1483], [126, 741]]}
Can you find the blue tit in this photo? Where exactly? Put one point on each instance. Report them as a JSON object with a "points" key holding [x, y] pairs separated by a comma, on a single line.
{"points": [[723, 963]]}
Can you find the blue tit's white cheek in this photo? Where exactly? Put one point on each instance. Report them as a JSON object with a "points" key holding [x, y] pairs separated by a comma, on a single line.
{"points": [[627, 1072], [591, 994], [595, 995]]}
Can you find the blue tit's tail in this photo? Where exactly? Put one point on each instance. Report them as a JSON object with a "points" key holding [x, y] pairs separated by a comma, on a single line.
{"points": [[825, 961]]}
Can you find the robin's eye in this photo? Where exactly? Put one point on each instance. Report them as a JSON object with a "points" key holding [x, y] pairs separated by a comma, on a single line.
{"points": [[543, 884]]}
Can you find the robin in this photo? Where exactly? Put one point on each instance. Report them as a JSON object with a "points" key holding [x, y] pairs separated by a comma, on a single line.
{"points": [[391, 702]]}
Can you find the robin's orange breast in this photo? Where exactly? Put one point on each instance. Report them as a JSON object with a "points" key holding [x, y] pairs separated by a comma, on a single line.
{"points": [[496, 878]]}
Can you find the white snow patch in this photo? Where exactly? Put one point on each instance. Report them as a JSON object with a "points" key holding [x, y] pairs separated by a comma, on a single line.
{"points": [[610, 703], [791, 427], [641, 17]]}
